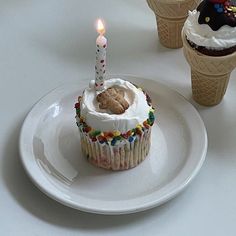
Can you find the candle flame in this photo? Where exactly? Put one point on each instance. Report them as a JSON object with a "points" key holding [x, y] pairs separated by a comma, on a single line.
{"points": [[100, 27]]}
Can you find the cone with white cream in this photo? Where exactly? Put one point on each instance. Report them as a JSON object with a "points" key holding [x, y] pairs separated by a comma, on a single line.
{"points": [[170, 17]]}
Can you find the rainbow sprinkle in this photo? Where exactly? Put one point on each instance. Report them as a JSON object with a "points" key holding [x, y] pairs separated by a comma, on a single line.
{"points": [[114, 136]]}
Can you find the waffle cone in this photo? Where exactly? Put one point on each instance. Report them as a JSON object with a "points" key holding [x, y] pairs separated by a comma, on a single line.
{"points": [[210, 75], [170, 17]]}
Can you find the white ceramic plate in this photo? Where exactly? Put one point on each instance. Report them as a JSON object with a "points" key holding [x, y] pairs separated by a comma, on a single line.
{"points": [[51, 155]]}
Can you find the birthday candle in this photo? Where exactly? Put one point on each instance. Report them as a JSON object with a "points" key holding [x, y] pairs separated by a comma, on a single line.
{"points": [[101, 46]]}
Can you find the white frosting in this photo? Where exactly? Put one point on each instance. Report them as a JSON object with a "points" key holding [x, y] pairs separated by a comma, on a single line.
{"points": [[203, 35], [101, 119]]}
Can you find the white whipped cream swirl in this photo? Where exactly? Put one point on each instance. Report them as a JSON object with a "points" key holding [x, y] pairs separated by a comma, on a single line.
{"points": [[203, 35], [101, 119]]}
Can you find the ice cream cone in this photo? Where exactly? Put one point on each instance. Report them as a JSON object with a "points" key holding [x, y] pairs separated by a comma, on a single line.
{"points": [[170, 17], [210, 75]]}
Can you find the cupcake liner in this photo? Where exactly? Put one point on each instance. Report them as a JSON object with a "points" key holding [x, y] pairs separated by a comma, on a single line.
{"points": [[170, 18], [122, 156], [209, 75]]}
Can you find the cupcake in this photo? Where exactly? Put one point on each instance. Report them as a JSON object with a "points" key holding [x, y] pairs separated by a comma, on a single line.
{"points": [[115, 124], [209, 38]]}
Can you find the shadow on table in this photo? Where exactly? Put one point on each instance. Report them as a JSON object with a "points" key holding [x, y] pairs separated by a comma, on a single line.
{"points": [[220, 130], [12, 3], [44, 208]]}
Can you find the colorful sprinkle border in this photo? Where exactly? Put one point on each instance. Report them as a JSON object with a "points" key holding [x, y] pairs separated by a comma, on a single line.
{"points": [[114, 136]]}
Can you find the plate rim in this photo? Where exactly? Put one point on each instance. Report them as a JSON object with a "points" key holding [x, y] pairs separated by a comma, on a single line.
{"points": [[128, 210]]}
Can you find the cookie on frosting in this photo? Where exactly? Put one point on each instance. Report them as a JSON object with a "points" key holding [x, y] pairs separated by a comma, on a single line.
{"points": [[113, 100]]}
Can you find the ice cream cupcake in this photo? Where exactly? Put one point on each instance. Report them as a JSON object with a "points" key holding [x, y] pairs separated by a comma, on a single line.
{"points": [[209, 38], [170, 18]]}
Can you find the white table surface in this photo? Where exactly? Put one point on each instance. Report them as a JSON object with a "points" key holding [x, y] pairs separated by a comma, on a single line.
{"points": [[46, 43]]}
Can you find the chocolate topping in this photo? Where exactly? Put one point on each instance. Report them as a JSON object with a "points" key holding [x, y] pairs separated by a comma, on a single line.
{"points": [[217, 13]]}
